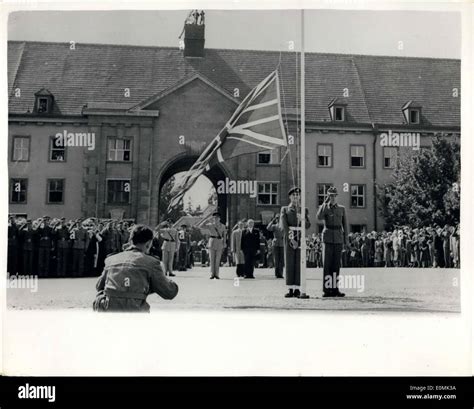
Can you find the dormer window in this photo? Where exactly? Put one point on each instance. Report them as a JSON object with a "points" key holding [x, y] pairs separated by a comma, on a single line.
{"points": [[42, 105], [43, 101], [337, 110], [412, 113]]}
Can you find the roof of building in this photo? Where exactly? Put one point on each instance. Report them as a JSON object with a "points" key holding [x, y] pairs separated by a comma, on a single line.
{"points": [[377, 86]]}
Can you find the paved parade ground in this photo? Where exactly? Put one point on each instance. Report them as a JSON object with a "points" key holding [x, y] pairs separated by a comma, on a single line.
{"points": [[379, 289]]}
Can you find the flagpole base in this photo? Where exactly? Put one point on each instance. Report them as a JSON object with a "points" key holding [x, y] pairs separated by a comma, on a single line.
{"points": [[303, 296]]}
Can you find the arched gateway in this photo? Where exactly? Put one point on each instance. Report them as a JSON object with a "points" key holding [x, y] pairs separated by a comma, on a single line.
{"points": [[215, 174]]}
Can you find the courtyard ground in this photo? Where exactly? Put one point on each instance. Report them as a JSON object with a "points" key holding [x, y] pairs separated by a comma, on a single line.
{"points": [[378, 289]]}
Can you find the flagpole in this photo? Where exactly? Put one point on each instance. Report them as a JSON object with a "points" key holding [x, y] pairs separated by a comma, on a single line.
{"points": [[302, 163]]}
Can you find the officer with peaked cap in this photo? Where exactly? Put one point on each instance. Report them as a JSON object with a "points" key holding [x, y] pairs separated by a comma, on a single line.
{"points": [[334, 237], [290, 223]]}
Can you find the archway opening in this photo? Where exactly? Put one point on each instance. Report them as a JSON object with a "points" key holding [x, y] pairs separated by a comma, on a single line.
{"points": [[202, 197]]}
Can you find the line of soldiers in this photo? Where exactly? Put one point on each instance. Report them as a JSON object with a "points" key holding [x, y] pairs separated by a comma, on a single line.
{"points": [[58, 248]]}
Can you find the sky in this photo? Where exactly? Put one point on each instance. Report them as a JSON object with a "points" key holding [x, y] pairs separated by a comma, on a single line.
{"points": [[424, 34]]}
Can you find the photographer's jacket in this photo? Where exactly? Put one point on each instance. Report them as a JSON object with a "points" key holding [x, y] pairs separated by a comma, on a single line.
{"points": [[335, 223], [129, 277]]}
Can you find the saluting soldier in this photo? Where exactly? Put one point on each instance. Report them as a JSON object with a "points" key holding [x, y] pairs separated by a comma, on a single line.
{"points": [[29, 236], [110, 239], [13, 240], [80, 239], [46, 246], [277, 245], [63, 247], [217, 243], [170, 245], [290, 224], [334, 237]]}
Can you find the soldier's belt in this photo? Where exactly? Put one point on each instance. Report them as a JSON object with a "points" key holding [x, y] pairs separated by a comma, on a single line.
{"points": [[172, 241], [215, 237], [332, 227], [295, 228], [124, 294]]}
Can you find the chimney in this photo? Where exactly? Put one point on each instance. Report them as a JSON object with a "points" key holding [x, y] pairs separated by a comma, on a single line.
{"points": [[194, 34]]}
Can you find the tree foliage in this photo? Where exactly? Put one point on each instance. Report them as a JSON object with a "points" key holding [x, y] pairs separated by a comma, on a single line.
{"points": [[425, 187]]}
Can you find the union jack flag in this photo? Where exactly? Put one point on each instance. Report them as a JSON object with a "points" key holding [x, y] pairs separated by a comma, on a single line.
{"points": [[255, 126]]}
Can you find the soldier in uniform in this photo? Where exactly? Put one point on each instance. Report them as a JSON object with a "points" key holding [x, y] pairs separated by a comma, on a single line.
{"points": [[334, 237], [170, 245], [13, 241], [123, 235], [290, 224], [130, 276], [236, 248], [29, 243], [63, 246], [277, 242], [46, 246], [217, 243], [184, 244], [110, 239], [80, 241]]}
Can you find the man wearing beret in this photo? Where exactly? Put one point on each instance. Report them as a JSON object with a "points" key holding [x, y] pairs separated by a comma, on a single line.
{"points": [[290, 223], [334, 237]]}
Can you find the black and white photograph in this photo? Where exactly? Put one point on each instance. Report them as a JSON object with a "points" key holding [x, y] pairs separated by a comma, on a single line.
{"points": [[238, 189], [173, 175]]}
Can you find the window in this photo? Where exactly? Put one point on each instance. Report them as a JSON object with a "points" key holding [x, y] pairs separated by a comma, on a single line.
{"points": [[358, 228], [268, 157], [21, 148], [267, 193], [357, 195], [57, 151], [414, 115], [55, 191], [324, 155], [389, 157], [339, 113], [43, 105], [18, 189], [118, 191], [357, 156], [119, 149], [322, 192]]}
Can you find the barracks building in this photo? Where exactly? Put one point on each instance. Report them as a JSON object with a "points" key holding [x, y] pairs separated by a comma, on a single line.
{"points": [[138, 115]]}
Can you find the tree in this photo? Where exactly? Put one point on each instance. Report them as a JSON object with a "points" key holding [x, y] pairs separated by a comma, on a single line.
{"points": [[425, 187], [165, 199]]}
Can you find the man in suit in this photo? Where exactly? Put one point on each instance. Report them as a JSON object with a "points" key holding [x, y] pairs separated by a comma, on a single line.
{"points": [[217, 243], [334, 237], [170, 245], [250, 247], [290, 224], [278, 253], [236, 248]]}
